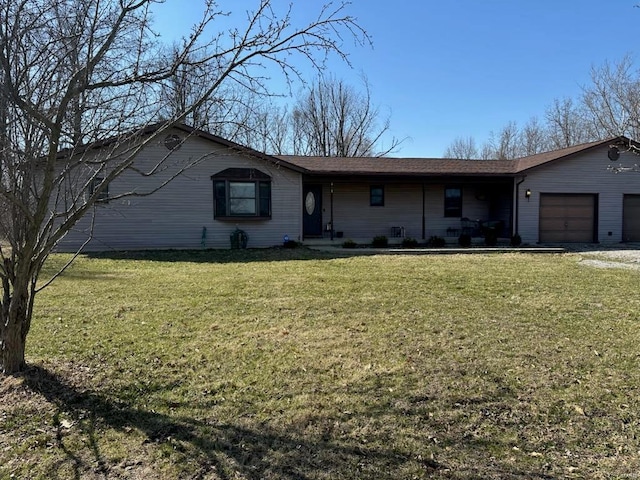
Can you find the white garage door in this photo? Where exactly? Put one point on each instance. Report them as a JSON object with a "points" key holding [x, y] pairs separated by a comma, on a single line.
{"points": [[567, 218], [631, 218]]}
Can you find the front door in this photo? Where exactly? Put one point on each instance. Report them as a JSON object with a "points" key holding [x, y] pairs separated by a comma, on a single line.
{"points": [[312, 211]]}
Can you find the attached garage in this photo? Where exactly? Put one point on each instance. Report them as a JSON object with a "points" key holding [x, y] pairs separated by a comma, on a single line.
{"points": [[567, 218], [631, 218]]}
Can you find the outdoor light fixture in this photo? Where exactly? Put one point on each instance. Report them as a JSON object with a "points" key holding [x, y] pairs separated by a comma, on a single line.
{"points": [[527, 193]]}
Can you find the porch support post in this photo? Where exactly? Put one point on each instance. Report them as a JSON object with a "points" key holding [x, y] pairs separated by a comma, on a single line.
{"points": [[424, 223], [331, 202], [516, 206]]}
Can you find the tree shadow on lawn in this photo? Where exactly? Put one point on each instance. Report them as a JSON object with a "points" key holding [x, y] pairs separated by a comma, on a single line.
{"points": [[223, 450], [232, 450]]}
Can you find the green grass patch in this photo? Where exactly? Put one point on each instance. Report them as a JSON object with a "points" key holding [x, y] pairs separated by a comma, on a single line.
{"points": [[299, 365]]}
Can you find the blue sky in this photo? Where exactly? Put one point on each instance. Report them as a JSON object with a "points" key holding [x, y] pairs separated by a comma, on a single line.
{"points": [[448, 68]]}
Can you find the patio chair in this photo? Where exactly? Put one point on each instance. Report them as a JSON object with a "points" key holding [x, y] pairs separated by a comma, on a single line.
{"points": [[469, 227]]}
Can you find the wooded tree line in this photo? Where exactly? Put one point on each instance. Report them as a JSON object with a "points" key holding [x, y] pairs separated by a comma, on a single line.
{"points": [[608, 106]]}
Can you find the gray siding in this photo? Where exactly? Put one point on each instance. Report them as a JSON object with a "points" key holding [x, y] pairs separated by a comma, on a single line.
{"points": [[353, 215], [403, 207], [586, 173], [175, 216]]}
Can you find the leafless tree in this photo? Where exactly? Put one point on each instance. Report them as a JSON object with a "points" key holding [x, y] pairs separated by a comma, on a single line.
{"points": [[77, 71], [612, 100], [503, 144], [533, 138], [333, 119], [462, 148], [566, 125], [508, 143]]}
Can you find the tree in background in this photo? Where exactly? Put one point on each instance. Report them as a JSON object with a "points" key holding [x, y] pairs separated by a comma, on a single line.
{"points": [[503, 144], [329, 118], [609, 106], [333, 119], [612, 101], [462, 148], [566, 124], [75, 72], [532, 138]]}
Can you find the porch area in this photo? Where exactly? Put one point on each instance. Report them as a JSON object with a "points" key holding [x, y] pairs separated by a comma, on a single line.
{"points": [[335, 212], [476, 230]]}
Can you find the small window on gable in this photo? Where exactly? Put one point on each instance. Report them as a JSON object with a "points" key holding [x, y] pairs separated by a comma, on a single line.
{"points": [[453, 202], [103, 196], [242, 193], [376, 196]]}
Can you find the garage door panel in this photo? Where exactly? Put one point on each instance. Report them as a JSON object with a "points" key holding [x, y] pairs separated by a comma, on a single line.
{"points": [[579, 211], [565, 201], [631, 218], [572, 224], [567, 218]]}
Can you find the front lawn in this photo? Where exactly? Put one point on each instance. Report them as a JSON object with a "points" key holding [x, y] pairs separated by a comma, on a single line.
{"points": [[295, 365]]}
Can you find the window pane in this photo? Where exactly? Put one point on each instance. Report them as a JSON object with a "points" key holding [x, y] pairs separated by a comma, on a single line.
{"points": [[376, 196], [220, 194], [103, 196], [242, 206], [242, 190], [452, 202], [265, 199]]}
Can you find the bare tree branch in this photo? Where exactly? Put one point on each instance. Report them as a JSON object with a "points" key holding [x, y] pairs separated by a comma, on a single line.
{"points": [[76, 72]]}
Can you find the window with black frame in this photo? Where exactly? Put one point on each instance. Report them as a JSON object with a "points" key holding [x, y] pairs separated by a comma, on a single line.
{"points": [[103, 196], [453, 202], [242, 193], [376, 196]]}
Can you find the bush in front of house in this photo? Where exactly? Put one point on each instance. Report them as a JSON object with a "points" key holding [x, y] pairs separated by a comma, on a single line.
{"points": [[491, 237], [516, 240], [464, 240], [348, 243], [380, 241], [409, 242], [436, 242]]}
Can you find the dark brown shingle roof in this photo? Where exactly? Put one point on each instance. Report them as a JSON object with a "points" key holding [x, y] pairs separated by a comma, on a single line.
{"points": [[399, 166], [531, 161], [434, 166]]}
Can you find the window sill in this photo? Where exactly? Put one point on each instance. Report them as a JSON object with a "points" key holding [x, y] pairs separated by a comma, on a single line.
{"points": [[241, 218]]}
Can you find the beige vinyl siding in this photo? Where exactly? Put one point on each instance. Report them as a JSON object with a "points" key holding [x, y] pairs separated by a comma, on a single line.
{"points": [[583, 174], [354, 216], [403, 207], [175, 216]]}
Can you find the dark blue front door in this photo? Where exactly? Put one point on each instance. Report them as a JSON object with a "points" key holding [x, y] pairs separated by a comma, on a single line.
{"points": [[312, 210]]}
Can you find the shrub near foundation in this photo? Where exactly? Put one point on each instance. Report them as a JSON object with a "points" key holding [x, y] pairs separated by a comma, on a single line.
{"points": [[381, 241]]}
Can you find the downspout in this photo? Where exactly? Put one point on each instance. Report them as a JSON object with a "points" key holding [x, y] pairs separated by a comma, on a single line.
{"points": [[516, 216]]}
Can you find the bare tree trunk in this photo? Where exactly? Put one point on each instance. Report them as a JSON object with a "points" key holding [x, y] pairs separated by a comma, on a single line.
{"points": [[16, 320], [13, 345]]}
